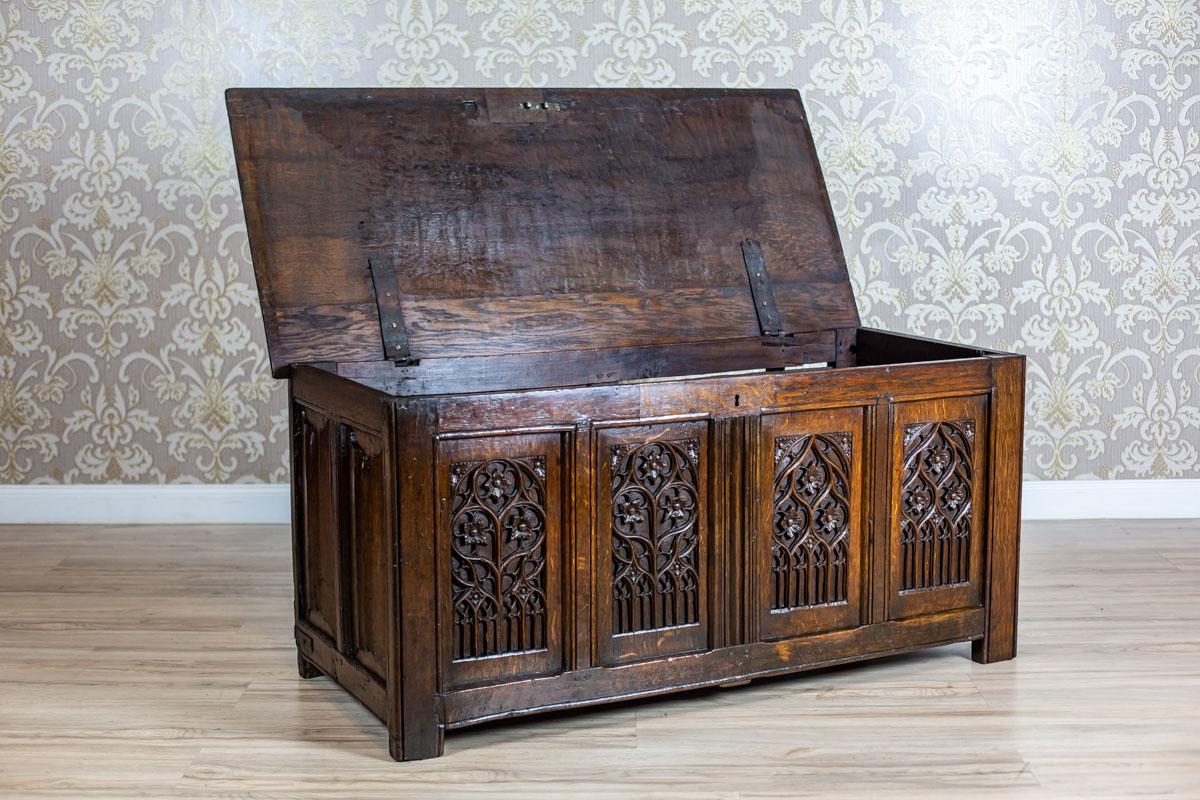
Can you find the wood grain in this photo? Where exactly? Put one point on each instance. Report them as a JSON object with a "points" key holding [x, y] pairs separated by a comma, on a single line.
{"points": [[414, 729], [549, 505], [153, 662], [516, 230], [815, 488], [489, 621], [1008, 404]]}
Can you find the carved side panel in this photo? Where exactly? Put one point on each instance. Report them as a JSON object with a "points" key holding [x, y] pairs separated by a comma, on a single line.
{"points": [[315, 451], [655, 545], [938, 476], [500, 550], [935, 504], [811, 551], [810, 534], [651, 578], [498, 556], [368, 523]]}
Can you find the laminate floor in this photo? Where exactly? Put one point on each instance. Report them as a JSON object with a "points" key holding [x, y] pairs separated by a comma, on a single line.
{"points": [[157, 662]]}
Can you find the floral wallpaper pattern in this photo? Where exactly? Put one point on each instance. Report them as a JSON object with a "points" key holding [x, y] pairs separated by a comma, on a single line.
{"points": [[1020, 174]]}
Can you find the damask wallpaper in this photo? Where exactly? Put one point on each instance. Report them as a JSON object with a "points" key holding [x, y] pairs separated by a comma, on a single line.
{"points": [[1017, 174]]}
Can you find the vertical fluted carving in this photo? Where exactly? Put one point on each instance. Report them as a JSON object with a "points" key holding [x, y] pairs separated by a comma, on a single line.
{"points": [[654, 536], [810, 537], [498, 556], [935, 504]]}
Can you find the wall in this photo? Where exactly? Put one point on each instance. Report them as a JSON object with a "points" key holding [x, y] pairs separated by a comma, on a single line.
{"points": [[1019, 175]]}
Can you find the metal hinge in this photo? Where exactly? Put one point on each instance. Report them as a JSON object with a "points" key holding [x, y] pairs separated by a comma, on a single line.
{"points": [[391, 318], [760, 289]]}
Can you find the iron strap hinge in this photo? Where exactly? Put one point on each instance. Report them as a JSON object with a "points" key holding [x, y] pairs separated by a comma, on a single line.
{"points": [[760, 289], [391, 318]]}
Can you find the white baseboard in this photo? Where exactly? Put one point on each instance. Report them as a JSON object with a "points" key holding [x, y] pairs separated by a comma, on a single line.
{"points": [[1168, 498], [258, 503], [141, 504]]}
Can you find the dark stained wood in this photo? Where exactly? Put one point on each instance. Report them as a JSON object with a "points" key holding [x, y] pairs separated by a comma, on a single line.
{"points": [[342, 534], [812, 553], [937, 464], [735, 421], [877, 494], [743, 586], [722, 486], [588, 225], [306, 668], [368, 544], [713, 668], [317, 452], [653, 541], [300, 431], [414, 727], [1004, 509], [590, 367], [582, 470], [499, 499], [728, 396], [322, 655], [872, 347], [598, 480]]}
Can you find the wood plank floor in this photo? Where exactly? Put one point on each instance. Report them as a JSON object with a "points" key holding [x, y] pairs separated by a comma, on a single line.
{"points": [[157, 662]]}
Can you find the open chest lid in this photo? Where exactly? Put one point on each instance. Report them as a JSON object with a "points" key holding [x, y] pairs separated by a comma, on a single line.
{"points": [[405, 224]]}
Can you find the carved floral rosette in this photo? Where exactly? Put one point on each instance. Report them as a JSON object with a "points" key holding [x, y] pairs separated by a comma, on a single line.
{"points": [[498, 556], [935, 504], [810, 536], [654, 535]]}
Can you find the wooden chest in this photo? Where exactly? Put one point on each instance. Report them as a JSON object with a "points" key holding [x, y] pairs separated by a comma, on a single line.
{"points": [[581, 410]]}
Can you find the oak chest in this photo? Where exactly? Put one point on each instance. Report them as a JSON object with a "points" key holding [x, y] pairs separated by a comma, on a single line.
{"points": [[581, 409]]}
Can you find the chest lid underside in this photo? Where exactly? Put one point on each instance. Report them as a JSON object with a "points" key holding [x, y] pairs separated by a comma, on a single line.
{"points": [[406, 224]]}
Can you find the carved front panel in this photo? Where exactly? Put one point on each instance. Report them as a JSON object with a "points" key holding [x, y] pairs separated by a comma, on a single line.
{"points": [[498, 556], [810, 562], [652, 542], [937, 474], [810, 535], [499, 547], [935, 504], [655, 574]]}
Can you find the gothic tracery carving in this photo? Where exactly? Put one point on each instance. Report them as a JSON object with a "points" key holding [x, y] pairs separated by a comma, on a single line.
{"points": [[810, 537], [654, 535], [498, 556], [935, 504]]}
